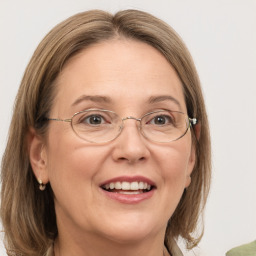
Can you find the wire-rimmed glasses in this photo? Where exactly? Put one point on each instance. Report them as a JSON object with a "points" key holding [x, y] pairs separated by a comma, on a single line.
{"points": [[101, 125]]}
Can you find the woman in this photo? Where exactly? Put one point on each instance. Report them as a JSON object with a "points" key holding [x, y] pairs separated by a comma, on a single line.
{"points": [[109, 148]]}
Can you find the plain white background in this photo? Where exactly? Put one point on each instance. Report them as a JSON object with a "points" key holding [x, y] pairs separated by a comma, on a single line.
{"points": [[221, 36]]}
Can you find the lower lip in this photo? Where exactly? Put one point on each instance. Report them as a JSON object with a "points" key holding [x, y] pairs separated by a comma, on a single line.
{"points": [[129, 199]]}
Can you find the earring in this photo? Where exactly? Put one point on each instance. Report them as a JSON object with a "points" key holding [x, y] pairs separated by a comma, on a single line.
{"points": [[41, 185]]}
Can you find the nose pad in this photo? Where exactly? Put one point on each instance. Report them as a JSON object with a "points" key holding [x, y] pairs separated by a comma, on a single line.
{"points": [[130, 144]]}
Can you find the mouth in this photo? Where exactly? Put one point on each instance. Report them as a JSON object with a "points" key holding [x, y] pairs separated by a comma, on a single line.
{"points": [[128, 188]]}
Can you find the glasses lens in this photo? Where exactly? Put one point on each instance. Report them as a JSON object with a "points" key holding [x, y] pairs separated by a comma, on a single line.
{"points": [[164, 126], [96, 126]]}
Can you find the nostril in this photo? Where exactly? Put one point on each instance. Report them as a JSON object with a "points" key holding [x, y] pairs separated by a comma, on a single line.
{"points": [[135, 160], [131, 160]]}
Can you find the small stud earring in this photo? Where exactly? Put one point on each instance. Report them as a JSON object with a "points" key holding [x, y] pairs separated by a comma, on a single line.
{"points": [[41, 185]]}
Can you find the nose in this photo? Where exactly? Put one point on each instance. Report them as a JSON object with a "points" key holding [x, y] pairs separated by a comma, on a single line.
{"points": [[131, 146]]}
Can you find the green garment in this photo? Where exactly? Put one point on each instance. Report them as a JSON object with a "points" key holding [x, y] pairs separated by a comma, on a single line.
{"points": [[243, 250]]}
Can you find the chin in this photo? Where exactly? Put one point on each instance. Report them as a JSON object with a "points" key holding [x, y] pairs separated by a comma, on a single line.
{"points": [[129, 236], [132, 230]]}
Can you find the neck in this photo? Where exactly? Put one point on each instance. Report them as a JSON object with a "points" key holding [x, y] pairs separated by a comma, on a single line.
{"points": [[94, 249]]}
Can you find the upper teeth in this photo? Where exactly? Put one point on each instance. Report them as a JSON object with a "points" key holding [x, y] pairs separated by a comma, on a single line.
{"points": [[135, 185]]}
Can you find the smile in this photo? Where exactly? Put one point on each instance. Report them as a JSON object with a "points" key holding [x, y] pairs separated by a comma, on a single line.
{"points": [[128, 188]]}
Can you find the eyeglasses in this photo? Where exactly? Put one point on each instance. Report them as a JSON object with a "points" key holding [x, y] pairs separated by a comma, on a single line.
{"points": [[100, 125]]}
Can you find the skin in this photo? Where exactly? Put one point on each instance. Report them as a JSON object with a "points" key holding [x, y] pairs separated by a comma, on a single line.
{"points": [[89, 223]]}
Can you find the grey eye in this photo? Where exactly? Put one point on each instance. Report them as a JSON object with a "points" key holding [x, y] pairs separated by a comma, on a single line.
{"points": [[94, 119], [161, 120]]}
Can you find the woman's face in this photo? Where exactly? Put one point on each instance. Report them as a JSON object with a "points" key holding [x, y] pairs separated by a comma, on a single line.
{"points": [[130, 78]]}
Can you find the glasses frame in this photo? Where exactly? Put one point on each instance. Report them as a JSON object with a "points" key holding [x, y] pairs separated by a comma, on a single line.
{"points": [[190, 122]]}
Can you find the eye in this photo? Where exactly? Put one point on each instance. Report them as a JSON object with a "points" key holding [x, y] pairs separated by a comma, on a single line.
{"points": [[164, 119], [161, 120], [93, 120]]}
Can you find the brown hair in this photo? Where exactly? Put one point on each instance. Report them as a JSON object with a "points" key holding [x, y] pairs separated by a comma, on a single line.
{"points": [[27, 214]]}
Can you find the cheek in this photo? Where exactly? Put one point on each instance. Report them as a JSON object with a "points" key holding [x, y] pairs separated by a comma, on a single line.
{"points": [[172, 165], [70, 161], [175, 163]]}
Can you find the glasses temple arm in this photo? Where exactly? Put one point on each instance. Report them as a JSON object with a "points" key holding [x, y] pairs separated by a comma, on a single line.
{"points": [[58, 119]]}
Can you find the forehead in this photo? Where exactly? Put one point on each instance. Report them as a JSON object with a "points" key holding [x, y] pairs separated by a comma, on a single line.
{"points": [[124, 71]]}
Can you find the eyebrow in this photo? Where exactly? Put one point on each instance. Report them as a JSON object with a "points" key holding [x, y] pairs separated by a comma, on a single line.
{"points": [[105, 99], [94, 98], [160, 98]]}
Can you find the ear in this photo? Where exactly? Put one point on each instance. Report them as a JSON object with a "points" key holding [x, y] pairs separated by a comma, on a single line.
{"points": [[37, 155], [190, 167], [197, 130], [192, 157]]}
